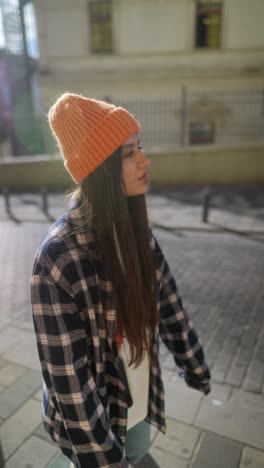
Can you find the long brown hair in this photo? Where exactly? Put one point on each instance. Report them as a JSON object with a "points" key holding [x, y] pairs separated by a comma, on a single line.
{"points": [[122, 238]]}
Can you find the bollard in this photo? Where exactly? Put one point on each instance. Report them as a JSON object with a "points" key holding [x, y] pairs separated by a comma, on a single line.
{"points": [[206, 205], [6, 195], [44, 195], [1, 456], [45, 203]]}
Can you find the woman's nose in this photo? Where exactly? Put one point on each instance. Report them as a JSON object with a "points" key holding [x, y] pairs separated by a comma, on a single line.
{"points": [[144, 161]]}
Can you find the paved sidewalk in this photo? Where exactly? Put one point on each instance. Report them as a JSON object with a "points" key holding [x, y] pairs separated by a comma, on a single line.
{"points": [[219, 271], [231, 209]]}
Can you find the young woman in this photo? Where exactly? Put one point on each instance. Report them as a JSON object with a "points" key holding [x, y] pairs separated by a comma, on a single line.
{"points": [[102, 294]]}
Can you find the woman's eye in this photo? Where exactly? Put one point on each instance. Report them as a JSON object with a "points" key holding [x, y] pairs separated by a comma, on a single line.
{"points": [[129, 155]]}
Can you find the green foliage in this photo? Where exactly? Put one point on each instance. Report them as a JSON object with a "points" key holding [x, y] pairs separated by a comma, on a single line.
{"points": [[28, 128]]}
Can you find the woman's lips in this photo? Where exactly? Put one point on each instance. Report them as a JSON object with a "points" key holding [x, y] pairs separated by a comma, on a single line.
{"points": [[144, 178]]}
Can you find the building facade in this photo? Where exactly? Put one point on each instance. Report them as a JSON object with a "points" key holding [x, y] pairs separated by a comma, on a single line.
{"points": [[192, 71]]}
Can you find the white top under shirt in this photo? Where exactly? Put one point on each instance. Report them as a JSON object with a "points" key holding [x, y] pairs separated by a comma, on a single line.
{"points": [[138, 380]]}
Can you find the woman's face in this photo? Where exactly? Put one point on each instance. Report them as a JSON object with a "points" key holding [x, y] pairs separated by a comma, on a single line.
{"points": [[134, 166]]}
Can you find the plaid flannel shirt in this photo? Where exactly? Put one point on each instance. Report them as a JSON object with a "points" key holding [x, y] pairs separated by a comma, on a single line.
{"points": [[85, 398]]}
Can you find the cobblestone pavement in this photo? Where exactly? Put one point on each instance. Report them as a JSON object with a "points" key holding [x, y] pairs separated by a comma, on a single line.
{"points": [[220, 278]]}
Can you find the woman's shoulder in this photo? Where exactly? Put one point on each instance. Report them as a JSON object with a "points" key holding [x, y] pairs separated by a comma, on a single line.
{"points": [[63, 249], [53, 244], [57, 248]]}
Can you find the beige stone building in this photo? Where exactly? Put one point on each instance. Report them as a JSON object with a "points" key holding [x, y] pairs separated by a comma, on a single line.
{"points": [[192, 71], [204, 60]]}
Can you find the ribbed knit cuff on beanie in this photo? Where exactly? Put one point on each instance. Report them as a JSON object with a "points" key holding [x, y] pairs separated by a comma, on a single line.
{"points": [[88, 131]]}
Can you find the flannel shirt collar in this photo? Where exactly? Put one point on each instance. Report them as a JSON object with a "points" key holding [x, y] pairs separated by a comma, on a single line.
{"points": [[83, 235]]}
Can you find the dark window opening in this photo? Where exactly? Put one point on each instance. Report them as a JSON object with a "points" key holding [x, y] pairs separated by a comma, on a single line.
{"points": [[101, 26], [201, 133], [208, 24]]}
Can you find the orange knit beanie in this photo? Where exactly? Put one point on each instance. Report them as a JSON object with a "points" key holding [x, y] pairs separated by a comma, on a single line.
{"points": [[88, 131]]}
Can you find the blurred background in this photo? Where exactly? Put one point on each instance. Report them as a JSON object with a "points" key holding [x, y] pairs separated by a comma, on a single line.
{"points": [[192, 73]]}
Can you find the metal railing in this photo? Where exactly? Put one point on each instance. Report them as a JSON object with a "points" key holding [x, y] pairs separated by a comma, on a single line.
{"points": [[191, 118], [217, 117]]}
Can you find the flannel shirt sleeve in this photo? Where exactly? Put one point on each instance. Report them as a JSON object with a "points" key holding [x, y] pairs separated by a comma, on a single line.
{"points": [[62, 348], [177, 330]]}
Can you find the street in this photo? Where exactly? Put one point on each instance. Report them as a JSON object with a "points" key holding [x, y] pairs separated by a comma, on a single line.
{"points": [[220, 279]]}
